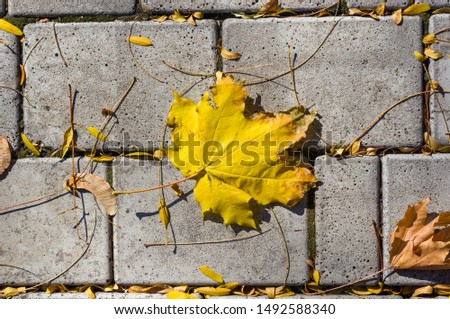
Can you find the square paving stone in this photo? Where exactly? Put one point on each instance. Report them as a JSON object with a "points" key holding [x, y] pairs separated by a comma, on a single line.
{"points": [[41, 239], [408, 179], [435, 3], [259, 260], [100, 68], [347, 201], [370, 4], [228, 6], [9, 79], [353, 77], [440, 71], [54, 8]]}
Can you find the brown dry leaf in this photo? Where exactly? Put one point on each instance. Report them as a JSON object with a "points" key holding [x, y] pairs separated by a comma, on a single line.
{"points": [[416, 9], [419, 56], [177, 189], [381, 9], [269, 7], [441, 10], [397, 16], [432, 53], [107, 112], [323, 13], [355, 147], [211, 274], [427, 290], [98, 187], [191, 20], [229, 55], [442, 290], [416, 244], [434, 85], [22, 75], [5, 154]]}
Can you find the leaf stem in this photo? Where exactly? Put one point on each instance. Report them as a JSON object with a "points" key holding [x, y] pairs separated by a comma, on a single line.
{"points": [[33, 200]]}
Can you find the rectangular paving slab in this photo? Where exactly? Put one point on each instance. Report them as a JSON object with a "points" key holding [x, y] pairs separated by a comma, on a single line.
{"points": [[100, 68], [2, 8], [9, 80], [408, 179], [370, 4], [245, 256], [440, 72], [41, 240], [435, 3], [53, 8], [354, 76], [347, 201], [228, 6]]}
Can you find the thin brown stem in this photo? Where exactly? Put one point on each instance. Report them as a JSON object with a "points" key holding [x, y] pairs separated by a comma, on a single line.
{"points": [[287, 260], [31, 50], [155, 187], [377, 236], [186, 71], [55, 36], [17, 91], [32, 200], [294, 86]]}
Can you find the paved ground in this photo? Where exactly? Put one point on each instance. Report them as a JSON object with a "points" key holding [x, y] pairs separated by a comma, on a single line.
{"points": [[362, 68]]}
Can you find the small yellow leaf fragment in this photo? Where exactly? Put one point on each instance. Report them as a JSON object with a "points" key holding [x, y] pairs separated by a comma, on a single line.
{"points": [[416, 9], [10, 292], [397, 16], [191, 20], [163, 213], [10, 28], [355, 147], [230, 285], [434, 85], [229, 55], [107, 112], [177, 17], [95, 132], [441, 10], [29, 145], [5, 155], [432, 54], [376, 290], [159, 154], [161, 18], [101, 158], [211, 291], [381, 9], [98, 187], [198, 15], [142, 41], [211, 274], [139, 154], [442, 290], [315, 276], [177, 189], [269, 7], [427, 290], [88, 292], [419, 56], [180, 295], [429, 39], [68, 138], [355, 12], [22, 75]]}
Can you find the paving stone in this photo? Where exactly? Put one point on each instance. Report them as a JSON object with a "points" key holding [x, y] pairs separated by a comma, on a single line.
{"points": [[259, 260], [351, 79], [228, 6], [54, 8], [100, 68], [347, 200], [2, 8], [370, 4], [98, 295], [436, 3], [42, 238], [408, 179], [439, 71], [327, 296], [9, 77]]}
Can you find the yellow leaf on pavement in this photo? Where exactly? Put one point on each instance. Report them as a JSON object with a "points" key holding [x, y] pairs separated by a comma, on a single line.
{"points": [[416, 9], [29, 145], [211, 274], [229, 55], [211, 291], [10, 28], [95, 132], [397, 16], [419, 56], [68, 138], [432, 54], [142, 41], [163, 213], [427, 290], [10, 292], [441, 10], [180, 295], [98, 187], [177, 189], [381, 9], [429, 39], [177, 17]]}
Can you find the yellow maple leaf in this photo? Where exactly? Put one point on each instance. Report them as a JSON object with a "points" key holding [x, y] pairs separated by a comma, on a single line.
{"points": [[236, 159]]}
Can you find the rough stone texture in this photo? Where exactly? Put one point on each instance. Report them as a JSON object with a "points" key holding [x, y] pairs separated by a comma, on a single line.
{"points": [[98, 295], [436, 3], [9, 77], [440, 71], [326, 296], [53, 8], [100, 68], [2, 8], [408, 179], [228, 6], [352, 78], [390, 4], [41, 238], [347, 200], [259, 260]]}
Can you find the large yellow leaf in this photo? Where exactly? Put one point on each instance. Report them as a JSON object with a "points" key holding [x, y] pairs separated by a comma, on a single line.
{"points": [[5, 155], [416, 9], [211, 274], [416, 244], [237, 158], [68, 138], [95, 132], [10, 28], [98, 187], [29, 145]]}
